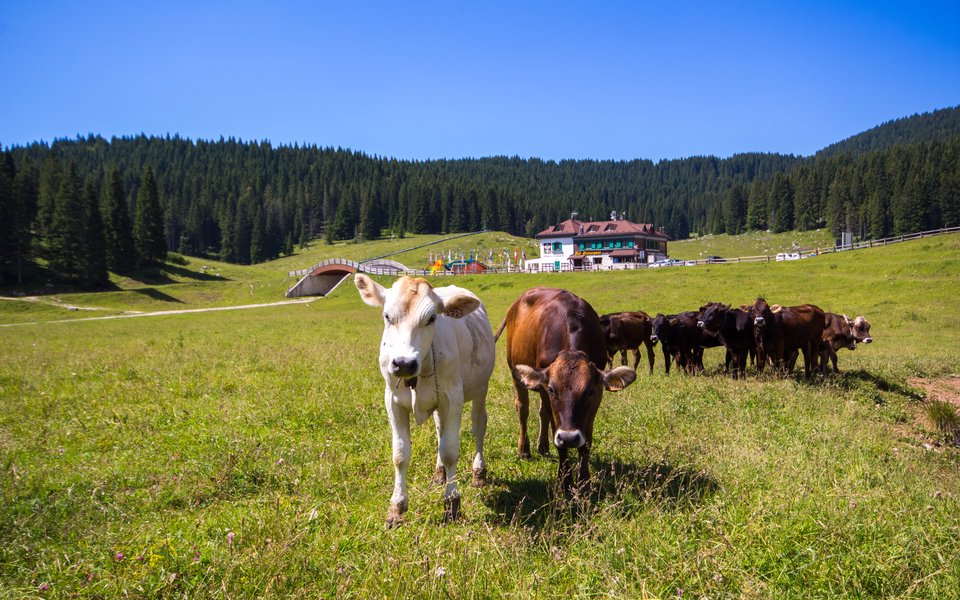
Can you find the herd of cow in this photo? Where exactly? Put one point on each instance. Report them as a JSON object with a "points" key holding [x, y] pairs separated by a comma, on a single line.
{"points": [[438, 348], [765, 334]]}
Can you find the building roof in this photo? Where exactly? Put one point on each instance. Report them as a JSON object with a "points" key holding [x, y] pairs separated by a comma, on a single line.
{"points": [[588, 229]]}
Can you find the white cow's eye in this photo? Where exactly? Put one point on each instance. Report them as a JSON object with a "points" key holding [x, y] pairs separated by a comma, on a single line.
{"points": [[388, 319], [431, 319]]}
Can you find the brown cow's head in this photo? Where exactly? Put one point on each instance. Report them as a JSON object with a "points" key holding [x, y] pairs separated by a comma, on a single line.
{"points": [[712, 316], [410, 310], [662, 325], [575, 386], [762, 313], [860, 329]]}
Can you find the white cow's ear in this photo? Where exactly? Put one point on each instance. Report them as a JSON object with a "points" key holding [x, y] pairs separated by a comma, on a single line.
{"points": [[615, 380], [371, 292], [460, 305], [531, 378]]}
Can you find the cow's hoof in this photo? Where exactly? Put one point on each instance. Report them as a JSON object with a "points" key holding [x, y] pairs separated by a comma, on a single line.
{"points": [[451, 509], [440, 476], [479, 477], [544, 450], [395, 514]]}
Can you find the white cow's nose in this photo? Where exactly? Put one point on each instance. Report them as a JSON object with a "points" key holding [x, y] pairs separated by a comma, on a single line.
{"points": [[405, 367], [566, 438]]}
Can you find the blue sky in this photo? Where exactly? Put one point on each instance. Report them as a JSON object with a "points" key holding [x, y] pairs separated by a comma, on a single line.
{"points": [[421, 80]]}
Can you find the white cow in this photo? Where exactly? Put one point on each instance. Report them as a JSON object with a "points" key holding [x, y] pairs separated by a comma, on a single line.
{"points": [[437, 352]]}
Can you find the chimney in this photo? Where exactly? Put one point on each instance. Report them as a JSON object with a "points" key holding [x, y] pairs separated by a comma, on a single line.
{"points": [[573, 216]]}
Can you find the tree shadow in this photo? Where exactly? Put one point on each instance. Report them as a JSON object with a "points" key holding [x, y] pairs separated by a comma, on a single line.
{"points": [[156, 294], [197, 275], [622, 487]]}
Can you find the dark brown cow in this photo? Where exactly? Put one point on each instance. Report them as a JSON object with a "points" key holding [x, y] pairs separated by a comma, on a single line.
{"points": [[627, 331], [785, 330], [555, 345], [680, 340], [734, 328]]}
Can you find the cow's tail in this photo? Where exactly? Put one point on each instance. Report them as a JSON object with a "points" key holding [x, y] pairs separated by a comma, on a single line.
{"points": [[496, 336]]}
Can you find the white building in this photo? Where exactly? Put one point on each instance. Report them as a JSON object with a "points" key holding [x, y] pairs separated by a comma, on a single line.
{"points": [[614, 244]]}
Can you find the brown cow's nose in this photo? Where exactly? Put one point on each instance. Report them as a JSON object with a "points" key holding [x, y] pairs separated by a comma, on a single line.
{"points": [[700, 324], [566, 438], [867, 340], [404, 367]]}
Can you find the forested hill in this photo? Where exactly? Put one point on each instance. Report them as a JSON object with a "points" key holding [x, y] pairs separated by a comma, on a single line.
{"points": [[250, 201], [939, 125]]}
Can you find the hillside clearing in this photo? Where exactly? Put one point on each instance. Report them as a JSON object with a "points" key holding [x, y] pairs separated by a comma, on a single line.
{"points": [[246, 453]]}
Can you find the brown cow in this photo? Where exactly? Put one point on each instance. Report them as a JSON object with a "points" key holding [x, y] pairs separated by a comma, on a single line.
{"points": [[841, 332], [555, 345], [626, 331], [782, 331]]}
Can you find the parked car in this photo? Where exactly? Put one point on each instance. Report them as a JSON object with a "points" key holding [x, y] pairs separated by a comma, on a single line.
{"points": [[713, 260], [788, 256]]}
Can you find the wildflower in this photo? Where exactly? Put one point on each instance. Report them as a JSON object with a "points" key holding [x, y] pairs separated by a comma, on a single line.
{"points": [[118, 556], [440, 572], [230, 538], [44, 586]]}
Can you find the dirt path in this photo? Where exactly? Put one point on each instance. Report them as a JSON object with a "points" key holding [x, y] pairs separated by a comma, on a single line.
{"points": [[159, 312]]}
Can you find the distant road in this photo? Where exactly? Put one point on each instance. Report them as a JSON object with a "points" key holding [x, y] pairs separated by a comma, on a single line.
{"points": [[164, 312]]}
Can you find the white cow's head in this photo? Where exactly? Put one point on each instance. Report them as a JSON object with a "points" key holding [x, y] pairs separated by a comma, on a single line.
{"points": [[410, 310]]}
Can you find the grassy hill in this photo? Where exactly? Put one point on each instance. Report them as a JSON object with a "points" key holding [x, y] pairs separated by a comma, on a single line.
{"points": [[133, 449], [754, 243]]}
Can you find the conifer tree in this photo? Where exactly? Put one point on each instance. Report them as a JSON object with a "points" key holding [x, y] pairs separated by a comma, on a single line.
{"points": [[257, 238], [117, 233], [94, 261], [8, 210], [66, 243], [148, 234], [25, 186]]}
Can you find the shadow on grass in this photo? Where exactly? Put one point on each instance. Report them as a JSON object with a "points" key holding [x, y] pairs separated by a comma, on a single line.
{"points": [[857, 379], [163, 275], [156, 294], [622, 487]]}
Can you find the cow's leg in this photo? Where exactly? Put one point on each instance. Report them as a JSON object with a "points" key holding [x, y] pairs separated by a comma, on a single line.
{"points": [[583, 476], [521, 400], [449, 454], [666, 359], [439, 475], [546, 420], [636, 357], [623, 357], [400, 426], [564, 473], [650, 356], [833, 359], [478, 420]]}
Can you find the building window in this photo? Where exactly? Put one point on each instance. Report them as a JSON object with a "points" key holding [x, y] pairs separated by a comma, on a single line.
{"points": [[630, 244], [557, 247], [582, 245], [619, 244]]}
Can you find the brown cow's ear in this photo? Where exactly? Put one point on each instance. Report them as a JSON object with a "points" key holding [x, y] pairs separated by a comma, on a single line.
{"points": [[371, 292], [532, 379], [460, 305], [615, 380]]}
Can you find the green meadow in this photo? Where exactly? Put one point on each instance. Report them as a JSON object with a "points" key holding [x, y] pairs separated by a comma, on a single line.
{"points": [[246, 453]]}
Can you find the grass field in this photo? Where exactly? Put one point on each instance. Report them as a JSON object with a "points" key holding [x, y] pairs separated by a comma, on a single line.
{"points": [[755, 243], [245, 454]]}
